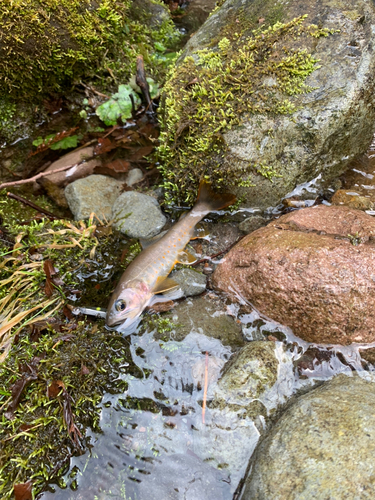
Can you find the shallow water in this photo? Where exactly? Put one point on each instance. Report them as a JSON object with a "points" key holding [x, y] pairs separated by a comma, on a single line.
{"points": [[153, 439]]}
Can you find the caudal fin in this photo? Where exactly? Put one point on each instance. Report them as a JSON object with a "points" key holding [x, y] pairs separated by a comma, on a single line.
{"points": [[209, 200]]}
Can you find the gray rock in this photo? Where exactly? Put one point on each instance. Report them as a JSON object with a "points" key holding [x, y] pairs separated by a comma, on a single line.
{"points": [[322, 447], [95, 193], [135, 175], [332, 124], [252, 224], [190, 281], [137, 215]]}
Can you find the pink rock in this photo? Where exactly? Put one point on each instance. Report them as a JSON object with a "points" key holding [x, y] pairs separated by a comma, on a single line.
{"points": [[312, 270]]}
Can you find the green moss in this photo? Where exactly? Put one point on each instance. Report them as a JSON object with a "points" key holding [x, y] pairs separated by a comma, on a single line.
{"points": [[211, 92], [46, 45], [40, 451]]}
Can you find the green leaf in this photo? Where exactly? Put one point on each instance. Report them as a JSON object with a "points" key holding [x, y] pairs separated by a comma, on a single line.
{"points": [[120, 105], [66, 143], [40, 140]]}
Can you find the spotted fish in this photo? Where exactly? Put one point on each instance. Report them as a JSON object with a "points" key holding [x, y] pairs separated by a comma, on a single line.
{"points": [[147, 276]]}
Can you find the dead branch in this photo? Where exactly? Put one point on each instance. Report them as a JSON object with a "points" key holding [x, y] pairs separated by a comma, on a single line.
{"points": [[32, 205], [142, 82], [38, 176]]}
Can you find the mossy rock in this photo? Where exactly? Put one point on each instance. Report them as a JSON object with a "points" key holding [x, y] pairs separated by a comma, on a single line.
{"points": [[268, 95], [48, 46]]}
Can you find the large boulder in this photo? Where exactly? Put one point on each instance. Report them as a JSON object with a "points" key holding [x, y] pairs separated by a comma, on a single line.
{"points": [[264, 99], [311, 270], [322, 447]]}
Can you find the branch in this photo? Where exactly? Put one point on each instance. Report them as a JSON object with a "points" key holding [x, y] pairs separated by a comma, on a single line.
{"points": [[38, 176]]}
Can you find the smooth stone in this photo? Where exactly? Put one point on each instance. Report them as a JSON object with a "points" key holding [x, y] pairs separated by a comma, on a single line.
{"points": [[95, 193], [190, 281], [322, 447], [135, 175], [137, 215]]}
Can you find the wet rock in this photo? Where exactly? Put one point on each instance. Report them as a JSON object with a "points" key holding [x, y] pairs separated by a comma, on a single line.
{"points": [[248, 382], [190, 281], [311, 270], [196, 14], [352, 199], [201, 315], [322, 447], [220, 237], [328, 127], [252, 224], [137, 215], [135, 175], [368, 355], [95, 193]]}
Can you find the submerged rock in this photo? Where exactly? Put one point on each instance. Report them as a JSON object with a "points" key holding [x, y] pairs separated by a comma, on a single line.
{"points": [[95, 193], [270, 99], [311, 270], [190, 281], [249, 383], [137, 215], [322, 447], [201, 315], [350, 198], [252, 224]]}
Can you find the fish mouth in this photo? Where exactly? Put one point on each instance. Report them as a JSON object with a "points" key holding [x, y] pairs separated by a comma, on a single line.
{"points": [[110, 321]]}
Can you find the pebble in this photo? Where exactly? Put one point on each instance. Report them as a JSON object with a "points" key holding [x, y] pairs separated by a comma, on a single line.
{"points": [[135, 175], [137, 215]]}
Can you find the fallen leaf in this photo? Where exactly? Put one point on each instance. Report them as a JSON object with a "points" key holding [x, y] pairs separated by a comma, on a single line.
{"points": [[104, 146], [55, 388], [84, 370], [29, 373], [114, 168], [162, 306], [23, 491]]}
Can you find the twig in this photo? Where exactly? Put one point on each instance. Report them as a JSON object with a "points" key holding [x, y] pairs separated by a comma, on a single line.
{"points": [[205, 387], [32, 205], [142, 82], [38, 176], [210, 257], [94, 91]]}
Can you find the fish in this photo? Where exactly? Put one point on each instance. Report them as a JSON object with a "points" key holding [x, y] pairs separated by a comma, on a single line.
{"points": [[147, 276]]}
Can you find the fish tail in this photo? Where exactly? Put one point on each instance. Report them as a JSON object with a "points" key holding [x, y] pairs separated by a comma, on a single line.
{"points": [[208, 200]]}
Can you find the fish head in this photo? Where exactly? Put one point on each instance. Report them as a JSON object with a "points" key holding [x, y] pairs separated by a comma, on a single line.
{"points": [[127, 303]]}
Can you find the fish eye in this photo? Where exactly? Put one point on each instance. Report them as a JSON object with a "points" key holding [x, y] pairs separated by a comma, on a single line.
{"points": [[120, 305]]}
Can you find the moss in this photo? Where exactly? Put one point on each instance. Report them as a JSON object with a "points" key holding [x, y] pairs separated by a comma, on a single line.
{"points": [[46, 46], [35, 445], [212, 91]]}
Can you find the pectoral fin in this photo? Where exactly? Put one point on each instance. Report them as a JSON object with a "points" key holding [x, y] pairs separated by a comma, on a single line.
{"points": [[164, 285], [184, 257]]}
